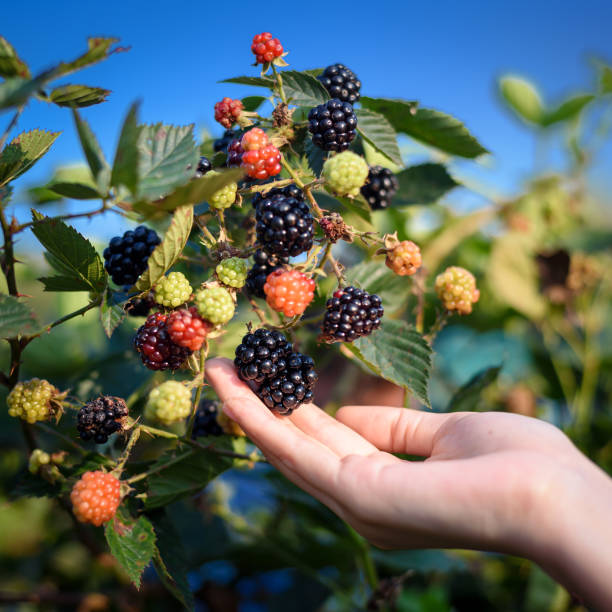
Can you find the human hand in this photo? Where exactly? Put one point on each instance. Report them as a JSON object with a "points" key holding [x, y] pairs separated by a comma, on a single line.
{"points": [[490, 481]]}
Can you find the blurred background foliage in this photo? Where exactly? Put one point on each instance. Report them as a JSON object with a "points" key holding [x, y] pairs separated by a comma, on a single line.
{"points": [[538, 343]]}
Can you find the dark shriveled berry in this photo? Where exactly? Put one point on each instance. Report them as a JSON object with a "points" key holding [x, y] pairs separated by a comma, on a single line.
{"points": [[351, 313], [380, 187], [100, 418], [263, 264], [341, 83], [333, 125]]}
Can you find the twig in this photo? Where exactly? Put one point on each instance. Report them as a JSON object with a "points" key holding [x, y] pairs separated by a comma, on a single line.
{"points": [[10, 126]]}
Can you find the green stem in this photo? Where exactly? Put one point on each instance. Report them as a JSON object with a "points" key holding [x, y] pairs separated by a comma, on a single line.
{"points": [[76, 313], [279, 81], [298, 181], [128, 449], [367, 562]]}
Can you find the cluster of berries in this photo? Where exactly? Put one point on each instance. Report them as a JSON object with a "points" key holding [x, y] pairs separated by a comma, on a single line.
{"points": [[283, 378]]}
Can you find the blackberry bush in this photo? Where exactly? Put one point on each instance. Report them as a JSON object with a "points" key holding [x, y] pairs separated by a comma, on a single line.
{"points": [[333, 125]]}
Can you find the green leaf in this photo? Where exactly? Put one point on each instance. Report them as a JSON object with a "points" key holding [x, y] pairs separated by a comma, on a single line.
{"points": [[111, 312], [10, 63], [375, 129], [394, 109], [315, 72], [42, 195], [466, 398], [315, 156], [187, 474], [399, 354], [423, 184], [74, 182], [132, 543], [194, 192], [98, 49], [15, 91], [254, 81], [165, 152], [23, 152], [170, 561], [74, 253], [358, 205], [168, 251], [64, 283], [252, 103], [98, 165], [523, 98], [566, 110], [125, 166], [78, 95], [76, 191], [376, 278], [605, 79], [16, 318], [302, 89]]}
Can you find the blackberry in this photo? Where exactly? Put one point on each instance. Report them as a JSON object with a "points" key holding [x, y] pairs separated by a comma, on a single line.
{"points": [[351, 313], [292, 387], [332, 125], [341, 83], [284, 377], [380, 187], [140, 306], [222, 143], [263, 264], [285, 226], [205, 423], [100, 418], [204, 166], [234, 154], [126, 256], [156, 349]]}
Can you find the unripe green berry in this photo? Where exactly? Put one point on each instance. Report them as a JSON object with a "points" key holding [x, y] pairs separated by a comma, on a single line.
{"points": [[345, 173], [223, 198], [30, 400], [232, 272], [38, 458], [215, 304], [169, 403], [173, 290], [456, 288]]}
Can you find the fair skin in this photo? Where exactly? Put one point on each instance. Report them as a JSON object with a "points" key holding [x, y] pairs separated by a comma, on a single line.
{"points": [[490, 481]]}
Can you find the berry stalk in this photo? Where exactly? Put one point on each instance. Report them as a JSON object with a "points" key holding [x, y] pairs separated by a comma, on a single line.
{"points": [[198, 393]]}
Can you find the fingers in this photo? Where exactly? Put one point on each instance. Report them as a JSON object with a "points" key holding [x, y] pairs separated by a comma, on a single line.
{"points": [[395, 430]]}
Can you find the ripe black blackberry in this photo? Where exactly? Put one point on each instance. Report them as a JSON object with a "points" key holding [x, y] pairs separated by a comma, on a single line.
{"points": [[291, 387], [341, 83], [205, 422], [285, 378], [263, 265], [222, 143], [204, 166], [100, 418], [380, 187], [285, 226], [140, 306], [351, 313], [156, 349], [126, 256], [333, 125]]}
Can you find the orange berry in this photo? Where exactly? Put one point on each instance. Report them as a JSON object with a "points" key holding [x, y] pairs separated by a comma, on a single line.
{"points": [[95, 497], [289, 291], [404, 259]]}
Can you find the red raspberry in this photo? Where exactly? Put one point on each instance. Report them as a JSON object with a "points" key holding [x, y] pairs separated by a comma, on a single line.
{"points": [[404, 259], [187, 328], [234, 153], [227, 112], [289, 291], [262, 163], [156, 348], [95, 497], [254, 139], [266, 48]]}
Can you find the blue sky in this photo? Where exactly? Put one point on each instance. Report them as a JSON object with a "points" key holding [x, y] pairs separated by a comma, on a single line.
{"points": [[445, 54]]}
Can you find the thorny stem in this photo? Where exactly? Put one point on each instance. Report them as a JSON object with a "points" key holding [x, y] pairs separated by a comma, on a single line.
{"points": [[298, 181], [128, 449], [261, 315], [198, 393], [279, 80], [327, 256], [91, 213]]}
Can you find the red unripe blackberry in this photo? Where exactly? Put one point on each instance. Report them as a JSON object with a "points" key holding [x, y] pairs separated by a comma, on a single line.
{"points": [[262, 163], [187, 328], [101, 417], [333, 125], [227, 112], [265, 48], [289, 291], [285, 226], [341, 83], [157, 351], [95, 497], [380, 187], [263, 264], [254, 139], [126, 256], [351, 313]]}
